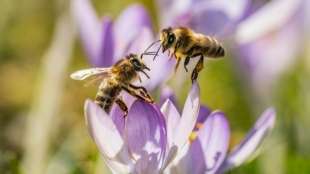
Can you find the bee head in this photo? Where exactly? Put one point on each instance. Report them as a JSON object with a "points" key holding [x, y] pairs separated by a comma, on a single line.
{"points": [[167, 38], [138, 64]]}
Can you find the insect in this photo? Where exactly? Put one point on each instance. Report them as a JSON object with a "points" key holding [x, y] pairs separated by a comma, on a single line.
{"points": [[184, 43], [114, 79]]}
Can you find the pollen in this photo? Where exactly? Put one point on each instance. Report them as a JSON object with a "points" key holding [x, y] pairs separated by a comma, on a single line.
{"points": [[193, 136], [198, 126]]}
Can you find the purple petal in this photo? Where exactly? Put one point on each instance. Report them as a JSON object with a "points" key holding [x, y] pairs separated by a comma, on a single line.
{"points": [[252, 141], [167, 93], [209, 149], [214, 138], [106, 52], [103, 130], [160, 68], [172, 117], [117, 114], [147, 164], [189, 117], [263, 64], [219, 16], [89, 27], [129, 25], [118, 118], [259, 33], [146, 131], [202, 116]]}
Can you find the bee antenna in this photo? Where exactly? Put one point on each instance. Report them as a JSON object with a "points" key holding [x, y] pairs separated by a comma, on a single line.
{"points": [[156, 53], [145, 51]]}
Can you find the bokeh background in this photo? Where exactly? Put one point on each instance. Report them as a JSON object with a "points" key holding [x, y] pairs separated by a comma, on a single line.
{"points": [[42, 127]]}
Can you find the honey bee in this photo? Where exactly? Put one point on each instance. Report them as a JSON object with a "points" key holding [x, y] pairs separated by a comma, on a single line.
{"points": [[183, 42], [114, 79]]}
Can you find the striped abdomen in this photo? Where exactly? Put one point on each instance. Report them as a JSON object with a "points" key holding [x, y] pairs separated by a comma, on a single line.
{"points": [[212, 48], [106, 95]]}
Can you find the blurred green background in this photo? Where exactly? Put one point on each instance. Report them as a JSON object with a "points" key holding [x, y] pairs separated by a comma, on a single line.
{"points": [[41, 109]]}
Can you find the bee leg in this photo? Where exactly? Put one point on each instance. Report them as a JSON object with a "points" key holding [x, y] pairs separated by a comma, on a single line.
{"points": [[122, 106], [141, 90], [138, 87], [186, 63], [138, 92], [177, 65], [197, 69]]}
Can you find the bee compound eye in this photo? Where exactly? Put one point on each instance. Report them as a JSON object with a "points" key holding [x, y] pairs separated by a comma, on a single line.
{"points": [[136, 63], [171, 38]]}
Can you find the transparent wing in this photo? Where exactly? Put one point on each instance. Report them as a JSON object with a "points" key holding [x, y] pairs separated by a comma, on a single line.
{"points": [[91, 72], [94, 81]]}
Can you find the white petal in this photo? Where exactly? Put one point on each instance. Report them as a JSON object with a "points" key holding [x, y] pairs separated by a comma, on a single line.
{"points": [[252, 141], [189, 117], [270, 17], [172, 118], [103, 130], [117, 167]]}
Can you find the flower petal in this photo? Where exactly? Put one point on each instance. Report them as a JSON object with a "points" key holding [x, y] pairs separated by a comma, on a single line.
{"points": [[146, 131], [147, 164], [160, 68], [189, 117], [172, 117], [167, 93], [208, 150], [260, 23], [117, 114], [252, 141], [102, 130], [204, 112], [214, 138], [106, 52], [219, 16], [128, 26], [264, 65], [89, 27], [117, 167]]}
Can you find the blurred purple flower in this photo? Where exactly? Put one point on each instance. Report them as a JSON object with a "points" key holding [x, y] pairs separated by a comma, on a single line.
{"points": [[150, 140], [266, 35], [105, 41], [269, 40], [211, 17]]}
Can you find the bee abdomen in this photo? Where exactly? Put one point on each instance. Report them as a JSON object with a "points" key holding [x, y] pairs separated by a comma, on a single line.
{"points": [[215, 49], [105, 102]]}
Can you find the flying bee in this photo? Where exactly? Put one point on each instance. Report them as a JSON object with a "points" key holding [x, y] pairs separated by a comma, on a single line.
{"points": [[114, 79], [183, 42]]}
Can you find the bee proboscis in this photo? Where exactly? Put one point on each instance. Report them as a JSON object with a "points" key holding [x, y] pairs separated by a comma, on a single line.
{"points": [[114, 79]]}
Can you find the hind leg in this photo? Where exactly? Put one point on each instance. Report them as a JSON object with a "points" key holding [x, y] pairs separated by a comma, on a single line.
{"points": [[177, 65], [122, 106], [197, 69], [186, 61]]}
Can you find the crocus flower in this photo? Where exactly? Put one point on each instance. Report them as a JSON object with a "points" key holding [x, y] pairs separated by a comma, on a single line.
{"points": [[106, 41], [206, 149], [150, 140], [138, 143]]}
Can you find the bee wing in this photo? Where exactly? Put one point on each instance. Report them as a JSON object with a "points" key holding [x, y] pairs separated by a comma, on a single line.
{"points": [[91, 72]]}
